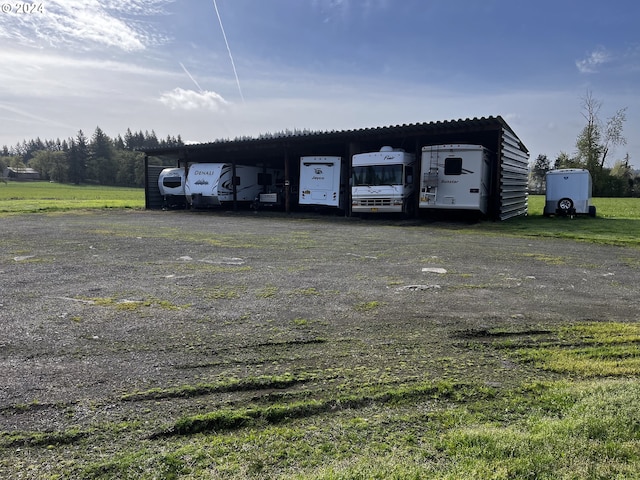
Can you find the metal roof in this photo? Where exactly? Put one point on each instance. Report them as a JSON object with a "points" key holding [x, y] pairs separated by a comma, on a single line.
{"points": [[401, 131]]}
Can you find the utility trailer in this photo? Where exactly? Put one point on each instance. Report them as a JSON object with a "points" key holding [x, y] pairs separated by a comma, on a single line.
{"points": [[568, 192], [321, 181], [455, 177], [382, 182], [214, 184]]}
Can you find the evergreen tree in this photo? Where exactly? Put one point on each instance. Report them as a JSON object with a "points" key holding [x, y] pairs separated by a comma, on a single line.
{"points": [[563, 160], [130, 168], [101, 167], [538, 173], [104, 160], [129, 140], [78, 157], [118, 143]]}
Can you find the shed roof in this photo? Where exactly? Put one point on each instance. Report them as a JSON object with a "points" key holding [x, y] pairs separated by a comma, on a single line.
{"points": [[23, 170], [378, 134]]}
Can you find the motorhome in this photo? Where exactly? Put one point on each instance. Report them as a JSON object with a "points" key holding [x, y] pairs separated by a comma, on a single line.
{"points": [[455, 177], [321, 181], [382, 181], [214, 184], [171, 183], [568, 192]]}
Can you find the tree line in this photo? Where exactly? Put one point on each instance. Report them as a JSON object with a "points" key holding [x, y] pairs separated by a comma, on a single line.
{"points": [[594, 145], [99, 159]]}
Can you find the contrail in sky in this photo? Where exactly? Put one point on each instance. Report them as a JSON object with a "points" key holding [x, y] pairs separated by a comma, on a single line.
{"points": [[224, 35], [192, 79]]}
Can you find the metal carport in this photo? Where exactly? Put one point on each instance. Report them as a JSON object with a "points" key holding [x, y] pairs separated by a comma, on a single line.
{"points": [[510, 172]]}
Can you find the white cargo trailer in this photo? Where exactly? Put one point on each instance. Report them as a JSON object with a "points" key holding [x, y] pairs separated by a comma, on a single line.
{"points": [[382, 181], [455, 177], [568, 192], [321, 181], [213, 184]]}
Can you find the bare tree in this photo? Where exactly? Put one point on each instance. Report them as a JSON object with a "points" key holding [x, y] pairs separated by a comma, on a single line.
{"points": [[613, 133], [597, 139]]}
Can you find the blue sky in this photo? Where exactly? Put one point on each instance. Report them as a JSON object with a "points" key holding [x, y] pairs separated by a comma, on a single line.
{"points": [[176, 67]]}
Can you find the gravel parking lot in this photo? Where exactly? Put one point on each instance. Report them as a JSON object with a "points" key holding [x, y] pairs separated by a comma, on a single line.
{"points": [[98, 305]]}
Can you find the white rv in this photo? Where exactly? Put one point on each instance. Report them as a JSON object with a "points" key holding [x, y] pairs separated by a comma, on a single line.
{"points": [[568, 192], [212, 184], [171, 183], [455, 177], [382, 181], [320, 181]]}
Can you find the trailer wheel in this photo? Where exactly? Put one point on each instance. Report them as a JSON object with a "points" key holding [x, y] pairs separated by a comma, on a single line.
{"points": [[565, 205], [592, 210]]}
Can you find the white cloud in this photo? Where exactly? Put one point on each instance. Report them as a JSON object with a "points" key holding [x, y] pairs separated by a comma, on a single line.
{"points": [[86, 24], [180, 99], [596, 59]]}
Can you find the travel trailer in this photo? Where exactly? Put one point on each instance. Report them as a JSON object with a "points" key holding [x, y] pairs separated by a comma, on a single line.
{"points": [[171, 183], [321, 181], [568, 192], [455, 177], [382, 181], [213, 184]]}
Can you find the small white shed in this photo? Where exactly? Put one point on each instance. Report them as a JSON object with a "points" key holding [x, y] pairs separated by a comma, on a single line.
{"points": [[569, 192]]}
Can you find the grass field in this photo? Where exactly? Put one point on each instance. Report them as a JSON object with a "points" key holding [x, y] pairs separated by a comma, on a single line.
{"points": [[576, 417], [29, 197], [617, 221]]}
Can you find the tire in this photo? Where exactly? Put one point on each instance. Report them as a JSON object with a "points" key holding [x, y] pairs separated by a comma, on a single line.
{"points": [[565, 205], [592, 211]]}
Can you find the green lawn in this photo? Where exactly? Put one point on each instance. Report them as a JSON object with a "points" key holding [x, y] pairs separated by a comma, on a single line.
{"points": [[617, 223], [30, 197]]}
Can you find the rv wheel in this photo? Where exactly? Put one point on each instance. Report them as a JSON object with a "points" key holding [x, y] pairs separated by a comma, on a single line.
{"points": [[592, 211], [565, 205]]}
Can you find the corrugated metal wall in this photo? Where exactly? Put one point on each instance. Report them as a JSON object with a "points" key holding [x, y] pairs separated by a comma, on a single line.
{"points": [[514, 174], [153, 199]]}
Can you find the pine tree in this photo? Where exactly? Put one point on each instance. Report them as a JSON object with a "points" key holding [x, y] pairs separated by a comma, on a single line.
{"points": [[78, 157], [101, 166]]}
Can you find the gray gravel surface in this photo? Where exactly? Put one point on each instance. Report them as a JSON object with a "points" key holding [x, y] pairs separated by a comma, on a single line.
{"points": [[98, 305]]}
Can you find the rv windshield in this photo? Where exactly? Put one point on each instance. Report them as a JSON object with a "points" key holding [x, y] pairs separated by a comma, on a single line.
{"points": [[377, 175]]}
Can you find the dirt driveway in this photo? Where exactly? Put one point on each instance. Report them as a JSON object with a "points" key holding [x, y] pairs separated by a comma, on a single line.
{"points": [[95, 306]]}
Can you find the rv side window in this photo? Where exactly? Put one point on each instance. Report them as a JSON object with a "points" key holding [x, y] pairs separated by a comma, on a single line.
{"points": [[265, 179], [236, 180], [453, 166]]}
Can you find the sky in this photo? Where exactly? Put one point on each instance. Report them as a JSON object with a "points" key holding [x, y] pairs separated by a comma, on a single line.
{"points": [[220, 69]]}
